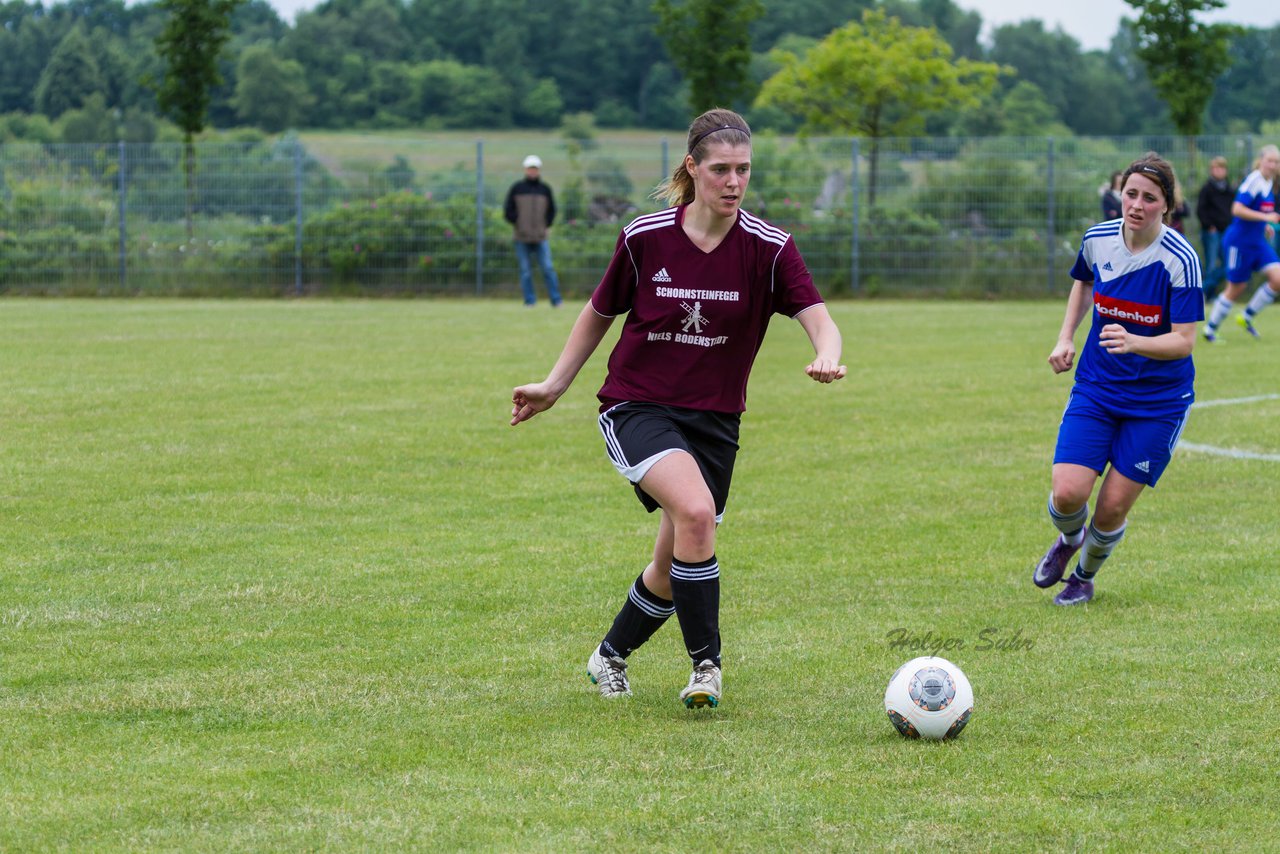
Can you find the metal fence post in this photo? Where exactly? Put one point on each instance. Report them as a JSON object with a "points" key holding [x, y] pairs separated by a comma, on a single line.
{"points": [[297, 228], [854, 277], [123, 227], [666, 161], [1051, 224], [479, 217]]}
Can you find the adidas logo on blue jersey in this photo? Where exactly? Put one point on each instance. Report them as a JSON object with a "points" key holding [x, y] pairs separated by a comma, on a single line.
{"points": [[1107, 267], [662, 275], [1144, 466]]}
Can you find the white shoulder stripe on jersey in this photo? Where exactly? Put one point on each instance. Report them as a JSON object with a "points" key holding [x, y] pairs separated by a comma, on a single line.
{"points": [[662, 214], [1103, 229], [648, 221], [633, 229], [770, 236], [1177, 246], [1255, 184], [761, 224]]}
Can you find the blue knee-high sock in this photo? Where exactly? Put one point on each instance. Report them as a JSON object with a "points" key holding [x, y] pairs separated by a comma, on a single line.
{"points": [[1263, 298], [1070, 524], [1221, 308], [1098, 546]]}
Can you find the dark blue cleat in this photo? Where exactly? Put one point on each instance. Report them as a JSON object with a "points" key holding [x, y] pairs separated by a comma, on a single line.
{"points": [[1076, 592], [1054, 563]]}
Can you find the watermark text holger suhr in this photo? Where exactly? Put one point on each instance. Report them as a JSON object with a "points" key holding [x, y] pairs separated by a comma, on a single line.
{"points": [[990, 639]]}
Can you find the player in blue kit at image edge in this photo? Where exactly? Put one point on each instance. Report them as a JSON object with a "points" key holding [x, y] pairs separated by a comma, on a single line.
{"points": [[1248, 248]]}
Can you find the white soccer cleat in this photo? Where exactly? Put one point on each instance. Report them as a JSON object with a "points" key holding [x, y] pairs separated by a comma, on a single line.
{"points": [[609, 674], [704, 686]]}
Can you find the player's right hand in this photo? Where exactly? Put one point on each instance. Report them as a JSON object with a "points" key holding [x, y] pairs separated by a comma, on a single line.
{"points": [[1062, 357], [528, 400]]}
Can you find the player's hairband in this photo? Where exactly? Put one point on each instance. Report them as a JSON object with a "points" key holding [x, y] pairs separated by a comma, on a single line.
{"points": [[697, 139], [1151, 170]]}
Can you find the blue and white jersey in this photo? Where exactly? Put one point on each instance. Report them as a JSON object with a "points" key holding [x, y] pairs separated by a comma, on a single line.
{"points": [[1145, 293], [1255, 193]]}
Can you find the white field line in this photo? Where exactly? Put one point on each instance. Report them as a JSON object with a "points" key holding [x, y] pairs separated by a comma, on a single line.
{"points": [[1231, 401], [1234, 453]]}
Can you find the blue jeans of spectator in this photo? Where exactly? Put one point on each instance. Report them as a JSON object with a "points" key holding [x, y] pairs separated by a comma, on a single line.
{"points": [[1215, 262], [542, 252]]}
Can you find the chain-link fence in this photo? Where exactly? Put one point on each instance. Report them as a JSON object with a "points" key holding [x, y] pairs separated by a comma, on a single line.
{"points": [[362, 215]]}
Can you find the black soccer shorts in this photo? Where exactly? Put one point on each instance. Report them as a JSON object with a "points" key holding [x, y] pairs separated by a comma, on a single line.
{"points": [[637, 435]]}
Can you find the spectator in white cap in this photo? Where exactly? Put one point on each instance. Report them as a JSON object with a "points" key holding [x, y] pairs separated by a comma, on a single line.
{"points": [[531, 208]]}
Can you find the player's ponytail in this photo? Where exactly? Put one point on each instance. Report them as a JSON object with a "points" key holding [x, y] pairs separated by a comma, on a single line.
{"points": [[712, 126]]}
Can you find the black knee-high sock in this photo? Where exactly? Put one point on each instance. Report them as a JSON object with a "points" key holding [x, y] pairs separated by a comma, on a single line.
{"points": [[642, 614], [695, 589]]}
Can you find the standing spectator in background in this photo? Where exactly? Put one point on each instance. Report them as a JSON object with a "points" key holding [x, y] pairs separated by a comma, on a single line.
{"points": [[1213, 209], [531, 208], [1111, 198]]}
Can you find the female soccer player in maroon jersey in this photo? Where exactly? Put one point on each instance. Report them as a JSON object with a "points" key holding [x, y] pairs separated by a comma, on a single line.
{"points": [[698, 282]]}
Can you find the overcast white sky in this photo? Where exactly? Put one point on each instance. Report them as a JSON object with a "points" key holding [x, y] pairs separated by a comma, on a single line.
{"points": [[1092, 22]]}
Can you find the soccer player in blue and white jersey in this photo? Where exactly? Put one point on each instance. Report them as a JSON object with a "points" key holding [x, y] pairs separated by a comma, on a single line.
{"points": [[1140, 281], [1248, 248], [698, 283]]}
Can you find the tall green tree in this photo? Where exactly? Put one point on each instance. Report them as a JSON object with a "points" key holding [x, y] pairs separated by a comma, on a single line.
{"points": [[70, 77], [875, 78], [271, 93], [710, 42], [194, 34], [1183, 56]]}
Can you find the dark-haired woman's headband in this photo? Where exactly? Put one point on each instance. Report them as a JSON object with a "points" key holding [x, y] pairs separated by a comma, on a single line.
{"points": [[706, 133], [1151, 170]]}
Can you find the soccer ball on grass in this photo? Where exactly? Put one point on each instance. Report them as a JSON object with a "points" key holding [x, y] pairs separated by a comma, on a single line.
{"points": [[929, 697]]}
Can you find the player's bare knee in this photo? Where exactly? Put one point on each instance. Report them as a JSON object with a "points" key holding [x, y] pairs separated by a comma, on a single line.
{"points": [[1069, 495], [1107, 518], [696, 523]]}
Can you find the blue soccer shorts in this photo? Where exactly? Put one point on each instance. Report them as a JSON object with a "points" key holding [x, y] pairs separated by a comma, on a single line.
{"points": [[1093, 435], [1245, 259]]}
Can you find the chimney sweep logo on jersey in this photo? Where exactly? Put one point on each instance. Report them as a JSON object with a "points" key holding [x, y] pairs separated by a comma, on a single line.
{"points": [[1130, 312], [694, 321]]}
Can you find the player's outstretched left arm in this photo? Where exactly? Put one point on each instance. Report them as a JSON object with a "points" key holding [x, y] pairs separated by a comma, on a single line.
{"points": [[827, 344]]}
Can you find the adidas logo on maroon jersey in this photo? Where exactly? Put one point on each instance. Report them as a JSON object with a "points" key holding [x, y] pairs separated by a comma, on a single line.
{"points": [[662, 275]]}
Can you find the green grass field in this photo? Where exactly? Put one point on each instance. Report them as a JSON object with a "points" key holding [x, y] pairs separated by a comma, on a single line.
{"points": [[278, 576]]}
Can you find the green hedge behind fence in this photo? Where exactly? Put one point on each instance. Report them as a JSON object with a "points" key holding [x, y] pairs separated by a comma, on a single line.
{"points": [[981, 217]]}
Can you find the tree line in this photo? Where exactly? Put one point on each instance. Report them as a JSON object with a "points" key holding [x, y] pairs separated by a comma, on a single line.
{"points": [[89, 70]]}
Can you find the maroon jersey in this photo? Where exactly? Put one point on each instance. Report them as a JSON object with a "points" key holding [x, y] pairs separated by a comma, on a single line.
{"points": [[696, 319]]}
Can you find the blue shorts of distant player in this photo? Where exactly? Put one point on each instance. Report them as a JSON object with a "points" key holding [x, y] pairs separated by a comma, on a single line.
{"points": [[1247, 257], [1094, 434]]}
